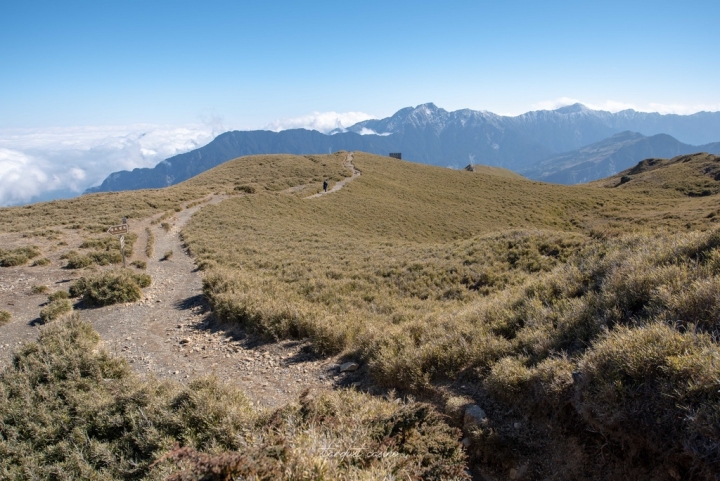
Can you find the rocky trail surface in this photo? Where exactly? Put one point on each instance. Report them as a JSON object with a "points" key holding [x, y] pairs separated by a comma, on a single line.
{"points": [[172, 332], [339, 185]]}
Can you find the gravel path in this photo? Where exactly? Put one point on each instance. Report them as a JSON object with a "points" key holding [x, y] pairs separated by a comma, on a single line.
{"points": [[171, 332], [339, 185]]}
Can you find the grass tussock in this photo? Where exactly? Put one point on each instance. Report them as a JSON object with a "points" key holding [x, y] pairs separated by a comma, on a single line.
{"points": [[58, 295], [167, 256], [105, 251], [5, 317], [18, 257], [110, 287], [56, 309], [39, 289], [70, 411], [150, 245], [142, 265]]}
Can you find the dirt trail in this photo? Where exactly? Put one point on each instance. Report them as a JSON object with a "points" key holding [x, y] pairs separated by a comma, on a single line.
{"points": [[339, 185], [171, 332]]}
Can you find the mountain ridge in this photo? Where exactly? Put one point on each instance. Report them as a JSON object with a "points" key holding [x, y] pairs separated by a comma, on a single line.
{"points": [[610, 156], [432, 135]]}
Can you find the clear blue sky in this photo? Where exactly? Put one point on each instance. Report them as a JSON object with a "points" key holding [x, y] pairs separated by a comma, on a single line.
{"points": [[99, 62]]}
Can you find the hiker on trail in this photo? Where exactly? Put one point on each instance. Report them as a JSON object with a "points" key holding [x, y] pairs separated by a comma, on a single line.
{"points": [[325, 184]]}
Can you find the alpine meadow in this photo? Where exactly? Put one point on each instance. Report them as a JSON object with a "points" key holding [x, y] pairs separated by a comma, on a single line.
{"points": [[412, 322]]}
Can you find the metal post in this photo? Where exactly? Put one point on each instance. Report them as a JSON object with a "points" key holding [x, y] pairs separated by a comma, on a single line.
{"points": [[122, 248]]}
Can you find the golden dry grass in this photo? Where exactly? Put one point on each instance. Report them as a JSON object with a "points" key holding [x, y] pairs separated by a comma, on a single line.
{"points": [[428, 274], [96, 212], [585, 306], [69, 410]]}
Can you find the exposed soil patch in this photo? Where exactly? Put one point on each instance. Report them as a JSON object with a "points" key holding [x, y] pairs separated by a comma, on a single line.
{"points": [[171, 332]]}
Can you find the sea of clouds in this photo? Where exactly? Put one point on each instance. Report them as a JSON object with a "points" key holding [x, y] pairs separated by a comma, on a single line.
{"points": [[324, 122], [55, 163]]}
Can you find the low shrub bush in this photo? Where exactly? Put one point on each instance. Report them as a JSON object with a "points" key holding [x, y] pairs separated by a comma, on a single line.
{"points": [[17, 257], [69, 410], [142, 265], [111, 287], [41, 262], [55, 309], [58, 295], [38, 289], [5, 317]]}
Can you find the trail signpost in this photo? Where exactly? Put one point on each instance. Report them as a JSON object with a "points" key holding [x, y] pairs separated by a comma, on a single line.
{"points": [[120, 230]]}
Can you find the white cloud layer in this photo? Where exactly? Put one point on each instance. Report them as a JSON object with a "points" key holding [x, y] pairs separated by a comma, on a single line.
{"points": [[616, 106], [43, 164], [321, 121]]}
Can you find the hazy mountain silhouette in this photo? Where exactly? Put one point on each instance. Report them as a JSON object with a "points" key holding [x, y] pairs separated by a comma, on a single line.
{"points": [[610, 156], [432, 135]]}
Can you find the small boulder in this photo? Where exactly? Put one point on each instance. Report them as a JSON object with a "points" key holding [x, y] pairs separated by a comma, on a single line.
{"points": [[349, 367], [185, 341], [474, 416]]}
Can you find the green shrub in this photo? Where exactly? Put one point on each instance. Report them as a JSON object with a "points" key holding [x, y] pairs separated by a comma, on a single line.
{"points": [[5, 317], [165, 226], [111, 287], [41, 262], [58, 295], [55, 309]]}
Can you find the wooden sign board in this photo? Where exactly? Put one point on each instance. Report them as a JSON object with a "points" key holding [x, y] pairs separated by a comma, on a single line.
{"points": [[118, 229]]}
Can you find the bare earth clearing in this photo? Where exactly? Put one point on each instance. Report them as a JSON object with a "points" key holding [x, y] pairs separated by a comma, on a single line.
{"points": [[171, 332]]}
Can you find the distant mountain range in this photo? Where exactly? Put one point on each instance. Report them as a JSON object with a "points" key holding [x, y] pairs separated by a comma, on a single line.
{"points": [[432, 135], [610, 156]]}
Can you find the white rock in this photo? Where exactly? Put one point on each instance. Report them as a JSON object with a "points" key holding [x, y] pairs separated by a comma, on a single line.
{"points": [[349, 367], [474, 416]]}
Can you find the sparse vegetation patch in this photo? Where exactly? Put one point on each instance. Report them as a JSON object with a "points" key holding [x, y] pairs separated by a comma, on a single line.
{"points": [[39, 289], [71, 411], [17, 257], [55, 309], [150, 246], [110, 287], [58, 295], [142, 265]]}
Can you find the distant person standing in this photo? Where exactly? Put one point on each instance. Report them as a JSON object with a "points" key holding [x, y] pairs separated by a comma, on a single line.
{"points": [[325, 185]]}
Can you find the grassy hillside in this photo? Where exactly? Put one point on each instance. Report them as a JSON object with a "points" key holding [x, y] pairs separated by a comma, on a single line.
{"points": [[695, 175], [257, 173], [583, 319], [438, 278]]}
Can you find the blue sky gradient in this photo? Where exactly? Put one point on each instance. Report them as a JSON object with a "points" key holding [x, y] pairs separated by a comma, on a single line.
{"points": [[97, 62]]}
